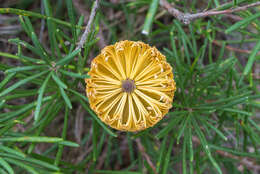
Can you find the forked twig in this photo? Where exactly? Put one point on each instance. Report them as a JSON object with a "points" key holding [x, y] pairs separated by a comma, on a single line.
{"points": [[186, 18]]}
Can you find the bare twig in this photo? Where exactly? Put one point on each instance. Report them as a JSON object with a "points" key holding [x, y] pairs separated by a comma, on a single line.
{"points": [[88, 27], [186, 18], [144, 154], [101, 43], [234, 17], [42, 22], [86, 149], [79, 121]]}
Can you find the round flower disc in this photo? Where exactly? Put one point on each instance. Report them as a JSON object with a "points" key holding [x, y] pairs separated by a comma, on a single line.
{"points": [[131, 86]]}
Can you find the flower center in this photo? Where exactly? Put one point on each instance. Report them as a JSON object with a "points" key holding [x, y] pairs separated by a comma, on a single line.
{"points": [[128, 85]]}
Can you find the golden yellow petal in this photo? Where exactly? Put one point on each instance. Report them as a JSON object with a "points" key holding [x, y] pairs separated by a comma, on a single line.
{"points": [[131, 86]]}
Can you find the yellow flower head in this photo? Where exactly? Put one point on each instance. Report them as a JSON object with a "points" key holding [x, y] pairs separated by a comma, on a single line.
{"points": [[131, 86]]}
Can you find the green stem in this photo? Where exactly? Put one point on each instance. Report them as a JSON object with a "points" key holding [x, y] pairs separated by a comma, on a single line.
{"points": [[37, 15]]}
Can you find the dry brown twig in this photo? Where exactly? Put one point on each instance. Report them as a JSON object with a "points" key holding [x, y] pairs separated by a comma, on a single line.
{"points": [[88, 27], [186, 18], [79, 121], [144, 154]]}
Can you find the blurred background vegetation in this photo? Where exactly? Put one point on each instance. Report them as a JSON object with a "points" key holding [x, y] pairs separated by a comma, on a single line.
{"points": [[46, 125]]}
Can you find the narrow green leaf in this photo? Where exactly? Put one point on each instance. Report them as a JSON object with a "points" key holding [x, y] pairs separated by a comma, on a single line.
{"points": [[216, 3], [65, 97], [32, 139], [168, 156], [173, 122], [58, 81], [40, 49], [69, 143], [161, 155], [204, 144], [12, 151], [235, 152], [2, 102], [51, 29], [10, 115], [97, 119], [252, 58], [25, 68], [21, 82], [68, 58], [39, 99], [150, 17], [22, 165], [6, 80], [28, 24], [184, 147], [36, 41], [2, 171], [19, 93], [24, 26], [254, 124], [242, 23], [70, 8], [64, 132], [237, 111], [182, 128], [33, 14], [190, 146], [227, 100], [216, 130], [82, 96], [6, 166], [61, 41], [80, 23], [30, 47], [11, 56], [33, 161], [72, 74]]}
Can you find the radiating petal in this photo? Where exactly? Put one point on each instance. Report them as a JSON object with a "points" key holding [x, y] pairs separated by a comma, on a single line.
{"points": [[131, 86]]}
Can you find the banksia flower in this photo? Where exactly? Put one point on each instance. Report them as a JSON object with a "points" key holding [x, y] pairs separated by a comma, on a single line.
{"points": [[131, 86]]}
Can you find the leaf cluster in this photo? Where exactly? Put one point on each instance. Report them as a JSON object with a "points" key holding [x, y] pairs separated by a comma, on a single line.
{"points": [[216, 105]]}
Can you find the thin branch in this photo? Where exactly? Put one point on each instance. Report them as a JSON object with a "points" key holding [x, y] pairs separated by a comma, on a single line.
{"points": [[144, 154], [88, 27], [186, 18], [101, 43], [42, 22]]}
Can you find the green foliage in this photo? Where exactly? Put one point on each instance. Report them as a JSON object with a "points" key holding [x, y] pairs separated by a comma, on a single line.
{"points": [[216, 105]]}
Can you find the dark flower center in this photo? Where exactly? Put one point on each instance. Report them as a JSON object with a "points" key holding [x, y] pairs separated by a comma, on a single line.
{"points": [[128, 85]]}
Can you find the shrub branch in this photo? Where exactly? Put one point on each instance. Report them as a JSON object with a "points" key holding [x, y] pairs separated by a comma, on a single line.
{"points": [[187, 18], [88, 27]]}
